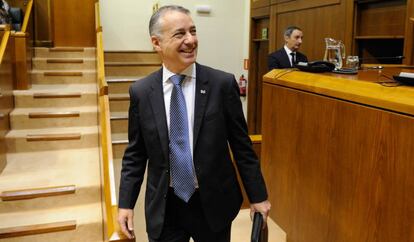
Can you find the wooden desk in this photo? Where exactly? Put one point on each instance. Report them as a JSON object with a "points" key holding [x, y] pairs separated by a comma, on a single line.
{"points": [[338, 156]]}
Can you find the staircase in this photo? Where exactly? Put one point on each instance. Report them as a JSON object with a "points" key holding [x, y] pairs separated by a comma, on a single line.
{"points": [[122, 68], [50, 188]]}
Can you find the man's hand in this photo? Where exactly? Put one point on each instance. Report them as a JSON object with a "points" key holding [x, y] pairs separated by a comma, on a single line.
{"points": [[263, 208], [126, 222]]}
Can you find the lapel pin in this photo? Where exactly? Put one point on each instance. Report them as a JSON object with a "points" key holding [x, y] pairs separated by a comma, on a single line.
{"points": [[203, 91]]}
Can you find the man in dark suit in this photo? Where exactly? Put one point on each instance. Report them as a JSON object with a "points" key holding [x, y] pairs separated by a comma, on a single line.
{"points": [[183, 119], [289, 55]]}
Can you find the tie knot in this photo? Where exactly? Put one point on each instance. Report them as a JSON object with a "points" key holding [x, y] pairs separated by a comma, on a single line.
{"points": [[177, 79]]}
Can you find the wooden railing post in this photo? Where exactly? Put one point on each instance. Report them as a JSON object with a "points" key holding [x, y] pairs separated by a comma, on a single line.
{"points": [[22, 52], [112, 231]]}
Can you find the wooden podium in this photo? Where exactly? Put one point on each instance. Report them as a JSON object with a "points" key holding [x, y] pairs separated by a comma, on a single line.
{"points": [[338, 156]]}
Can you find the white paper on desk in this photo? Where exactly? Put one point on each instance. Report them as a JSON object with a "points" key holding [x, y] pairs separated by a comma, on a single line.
{"points": [[407, 74]]}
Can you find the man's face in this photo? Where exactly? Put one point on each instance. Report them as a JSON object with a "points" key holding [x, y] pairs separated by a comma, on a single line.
{"points": [[178, 42], [294, 41]]}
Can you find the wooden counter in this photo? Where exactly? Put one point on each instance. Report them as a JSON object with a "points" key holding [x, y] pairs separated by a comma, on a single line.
{"points": [[338, 156]]}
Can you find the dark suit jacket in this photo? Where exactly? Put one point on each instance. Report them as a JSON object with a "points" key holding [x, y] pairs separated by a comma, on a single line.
{"points": [[280, 59], [218, 123]]}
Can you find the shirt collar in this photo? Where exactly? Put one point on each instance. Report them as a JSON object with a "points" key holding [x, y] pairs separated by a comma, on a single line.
{"points": [[288, 51], [189, 71]]}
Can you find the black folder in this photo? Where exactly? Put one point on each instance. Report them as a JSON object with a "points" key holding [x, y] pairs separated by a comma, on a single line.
{"points": [[259, 234]]}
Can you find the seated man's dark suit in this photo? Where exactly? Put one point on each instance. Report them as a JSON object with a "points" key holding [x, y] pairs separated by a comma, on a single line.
{"points": [[280, 59], [218, 123]]}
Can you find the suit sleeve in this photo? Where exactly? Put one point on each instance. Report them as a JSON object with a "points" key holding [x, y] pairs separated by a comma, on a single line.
{"points": [[304, 58], [135, 158], [272, 62], [246, 160]]}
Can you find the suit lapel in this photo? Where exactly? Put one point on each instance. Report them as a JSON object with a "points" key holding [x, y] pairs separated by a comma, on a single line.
{"points": [[201, 97], [156, 97]]}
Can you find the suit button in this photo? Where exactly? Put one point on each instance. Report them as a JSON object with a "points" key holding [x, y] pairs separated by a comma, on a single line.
{"points": [[167, 171], [165, 196]]}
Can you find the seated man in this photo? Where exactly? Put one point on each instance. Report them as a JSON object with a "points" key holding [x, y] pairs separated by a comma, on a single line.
{"points": [[4, 12], [287, 56]]}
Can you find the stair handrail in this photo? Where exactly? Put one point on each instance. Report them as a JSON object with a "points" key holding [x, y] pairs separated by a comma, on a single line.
{"points": [[27, 14], [103, 85], [4, 39], [112, 231]]}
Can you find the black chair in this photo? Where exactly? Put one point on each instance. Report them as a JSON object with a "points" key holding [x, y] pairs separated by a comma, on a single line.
{"points": [[259, 234], [17, 17]]}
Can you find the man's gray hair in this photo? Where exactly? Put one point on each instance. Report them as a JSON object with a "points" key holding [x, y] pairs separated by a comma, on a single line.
{"points": [[289, 30], [154, 24]]}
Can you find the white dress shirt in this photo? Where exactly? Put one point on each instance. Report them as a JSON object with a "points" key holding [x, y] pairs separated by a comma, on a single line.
{"points": [[288, 51]]}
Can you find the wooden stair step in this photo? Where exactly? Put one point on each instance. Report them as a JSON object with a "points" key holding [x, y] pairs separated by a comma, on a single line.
{"points": [[119, 115], [114, 79], [120, 138], [64, 61], [37, 229], [78, 52], [66, 49], [128, 55], [62, 73], [57, 95], [53, 137], [119, 97], [70, 114], [117, 142], [133, 63], [37, 192]]}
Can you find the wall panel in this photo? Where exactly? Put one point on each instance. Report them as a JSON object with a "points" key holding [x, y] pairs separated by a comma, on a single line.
{"points": [[73, 22], [318, 20], [287, 6], [338, 171], [6, 100]]}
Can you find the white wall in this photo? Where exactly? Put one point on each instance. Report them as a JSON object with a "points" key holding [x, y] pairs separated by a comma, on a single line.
{"points": [[125, 24], [223, 34]]}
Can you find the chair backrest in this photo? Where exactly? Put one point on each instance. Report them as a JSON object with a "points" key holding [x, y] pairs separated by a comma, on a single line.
{"points": [[17, 17]]}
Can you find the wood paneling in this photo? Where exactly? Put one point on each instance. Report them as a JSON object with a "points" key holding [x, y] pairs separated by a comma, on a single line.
{"points": [[337, 170], [73, 22], [381, 19], [22, 60], [288, 6], [257, 68], [316, 23], [280, 1], [364, 87], [42, 15], [409, 34], [260, 12], [259, 3], [6, 98]]}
